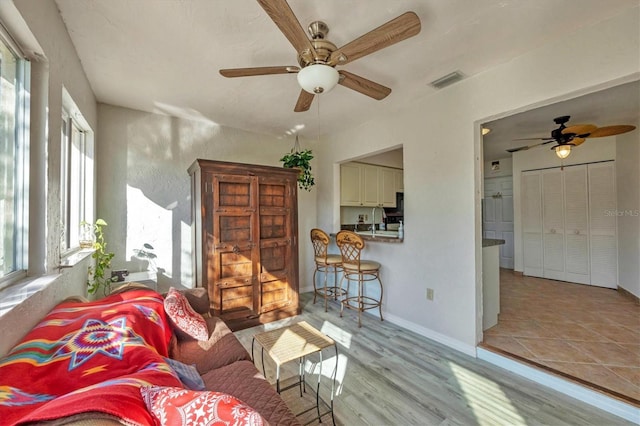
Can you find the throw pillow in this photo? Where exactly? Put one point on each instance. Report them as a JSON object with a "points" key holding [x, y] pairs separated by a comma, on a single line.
{"points": [[175, 406], [183, 317], [187, 374]]}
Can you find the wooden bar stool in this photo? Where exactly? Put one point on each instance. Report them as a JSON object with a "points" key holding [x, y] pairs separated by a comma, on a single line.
{"points": [[360, 270], [325, 263]]}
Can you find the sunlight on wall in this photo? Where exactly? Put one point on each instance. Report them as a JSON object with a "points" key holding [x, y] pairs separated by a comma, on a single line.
{"points": [[489, 403], [148, 223]]}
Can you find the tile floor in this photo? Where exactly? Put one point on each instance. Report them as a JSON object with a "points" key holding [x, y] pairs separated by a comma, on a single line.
{"points": [[586, 333]]}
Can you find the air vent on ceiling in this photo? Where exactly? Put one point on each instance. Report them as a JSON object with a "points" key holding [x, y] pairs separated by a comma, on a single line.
{"points": [[447, 80]]}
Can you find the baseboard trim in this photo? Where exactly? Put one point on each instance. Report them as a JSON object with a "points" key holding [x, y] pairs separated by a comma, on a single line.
{"points": [[430, 334], [626, 293], [588, 396]]}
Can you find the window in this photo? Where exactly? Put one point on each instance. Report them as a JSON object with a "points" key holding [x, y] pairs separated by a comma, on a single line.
{"points": [[14, 115], [76, 175]]}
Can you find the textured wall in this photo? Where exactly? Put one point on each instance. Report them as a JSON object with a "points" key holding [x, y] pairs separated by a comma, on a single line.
{"points": [[144, 189]]}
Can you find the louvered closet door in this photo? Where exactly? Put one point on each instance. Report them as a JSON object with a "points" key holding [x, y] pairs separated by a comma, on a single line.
{"points": [[576, 225], [231, 244], [603, 223], [532, 223], [277, 199], [553, 224]]}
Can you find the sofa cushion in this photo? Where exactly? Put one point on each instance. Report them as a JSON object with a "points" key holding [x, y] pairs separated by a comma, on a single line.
{"points": [[175, 406], [242, 380], [198, 299], [222, 348], [187, 322]]}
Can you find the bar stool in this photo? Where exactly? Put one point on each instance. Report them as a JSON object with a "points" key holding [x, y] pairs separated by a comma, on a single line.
{"points": [[325, 263], [357, 269]]}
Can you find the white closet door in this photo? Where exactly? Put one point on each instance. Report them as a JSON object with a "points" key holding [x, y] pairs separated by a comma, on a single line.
{"points": [[576, 225], [553, 224], [498, 215], [603, 223], [532, 223]]}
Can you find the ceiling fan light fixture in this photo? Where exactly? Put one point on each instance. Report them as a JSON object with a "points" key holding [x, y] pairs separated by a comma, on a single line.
{"points": [[563, 151], [318, 78]]}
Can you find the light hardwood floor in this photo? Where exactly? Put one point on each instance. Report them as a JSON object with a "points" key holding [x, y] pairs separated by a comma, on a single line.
{"points": [[388, 375]]}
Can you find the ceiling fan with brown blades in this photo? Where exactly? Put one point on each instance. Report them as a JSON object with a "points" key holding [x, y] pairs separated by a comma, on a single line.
{"points": [[567, 137], [318, 57]]}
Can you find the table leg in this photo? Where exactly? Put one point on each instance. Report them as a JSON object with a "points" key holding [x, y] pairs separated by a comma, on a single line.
{"points": [[278, 377], [333, 384], [318, 391], [300, 375]]}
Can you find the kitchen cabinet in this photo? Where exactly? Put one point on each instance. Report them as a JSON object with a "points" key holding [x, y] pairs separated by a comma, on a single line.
{"points": [[398, 176], [245, 240], [367, 185], [350, 181], [569, 233]]}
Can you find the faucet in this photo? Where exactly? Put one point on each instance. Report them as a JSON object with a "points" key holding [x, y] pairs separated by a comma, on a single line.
{"points": [[373, 221]]}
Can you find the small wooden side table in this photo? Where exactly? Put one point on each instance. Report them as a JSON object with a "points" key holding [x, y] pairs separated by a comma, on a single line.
{"points": [[293, 342]]}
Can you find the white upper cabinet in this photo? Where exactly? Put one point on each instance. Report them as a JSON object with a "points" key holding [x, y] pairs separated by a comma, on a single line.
{"points": [[350, 182], [367, 185]]}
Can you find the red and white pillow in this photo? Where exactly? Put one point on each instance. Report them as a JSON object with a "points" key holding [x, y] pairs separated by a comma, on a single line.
{"points": [[177, 406], [183, 317]]}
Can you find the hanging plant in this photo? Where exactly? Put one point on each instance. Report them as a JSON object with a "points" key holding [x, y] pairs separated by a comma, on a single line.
{"points": [[301, 160]]}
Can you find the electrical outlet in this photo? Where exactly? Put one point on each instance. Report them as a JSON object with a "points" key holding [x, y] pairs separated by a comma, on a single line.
{"points": [[429, 294]]}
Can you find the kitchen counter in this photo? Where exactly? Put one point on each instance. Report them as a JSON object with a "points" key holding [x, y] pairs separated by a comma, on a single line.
{"points": [[380, 238], [488, 242], [490, 281]]}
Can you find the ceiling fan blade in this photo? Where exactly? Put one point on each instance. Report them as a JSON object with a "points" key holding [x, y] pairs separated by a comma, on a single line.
{"points": [[524, 148], [248, 72], [398, 29], [364, 86], [534, 139], [304, 101], [611, 131], [281, 14], [579, 129], [578, 141]]}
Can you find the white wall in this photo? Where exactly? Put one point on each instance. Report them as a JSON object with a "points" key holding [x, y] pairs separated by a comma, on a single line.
{"points": [[442, 249], [505, 168], [144, 189], [628, 187]]}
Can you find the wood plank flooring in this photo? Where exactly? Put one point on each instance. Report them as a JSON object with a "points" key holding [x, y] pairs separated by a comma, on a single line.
{"points": [[388, 375]]}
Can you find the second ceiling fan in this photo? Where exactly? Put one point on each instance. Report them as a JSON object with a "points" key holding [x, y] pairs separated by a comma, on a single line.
{"points": [[569, 136], [318, 57]]}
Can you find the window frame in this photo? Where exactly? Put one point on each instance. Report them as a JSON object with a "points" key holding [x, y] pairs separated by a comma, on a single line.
{"points": [[76, 176], [20, 164]]}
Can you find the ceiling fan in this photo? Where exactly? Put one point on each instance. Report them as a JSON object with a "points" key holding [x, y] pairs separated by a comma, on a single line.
{"points": [[567, 137], [318, 57]]}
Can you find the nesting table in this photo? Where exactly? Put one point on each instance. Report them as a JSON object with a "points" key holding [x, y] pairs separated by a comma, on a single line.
{"points": [[295, 342]]}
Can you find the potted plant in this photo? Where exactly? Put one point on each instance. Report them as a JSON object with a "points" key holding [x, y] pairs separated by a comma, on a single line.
{"points": [[300, 160], [97, 273]]}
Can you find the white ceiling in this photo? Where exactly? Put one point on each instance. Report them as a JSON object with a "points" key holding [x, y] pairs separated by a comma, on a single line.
{"points": [[163, 56]]}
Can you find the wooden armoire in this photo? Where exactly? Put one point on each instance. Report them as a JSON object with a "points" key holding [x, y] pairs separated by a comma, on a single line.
{"points": [[245, 235]]}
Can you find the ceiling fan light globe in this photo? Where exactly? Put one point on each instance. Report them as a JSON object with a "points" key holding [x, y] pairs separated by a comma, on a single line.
{"points": [[563, 151], [318, 78]]}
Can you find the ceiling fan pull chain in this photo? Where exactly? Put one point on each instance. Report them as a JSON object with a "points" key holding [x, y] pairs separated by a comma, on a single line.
{"points": [[296, 145]]}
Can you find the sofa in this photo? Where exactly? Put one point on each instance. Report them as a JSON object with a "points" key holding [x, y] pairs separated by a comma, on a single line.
{"points": [[135, 358]]}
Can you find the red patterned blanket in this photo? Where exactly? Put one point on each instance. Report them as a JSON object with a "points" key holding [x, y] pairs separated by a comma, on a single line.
{"points": [[89, 357]]}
